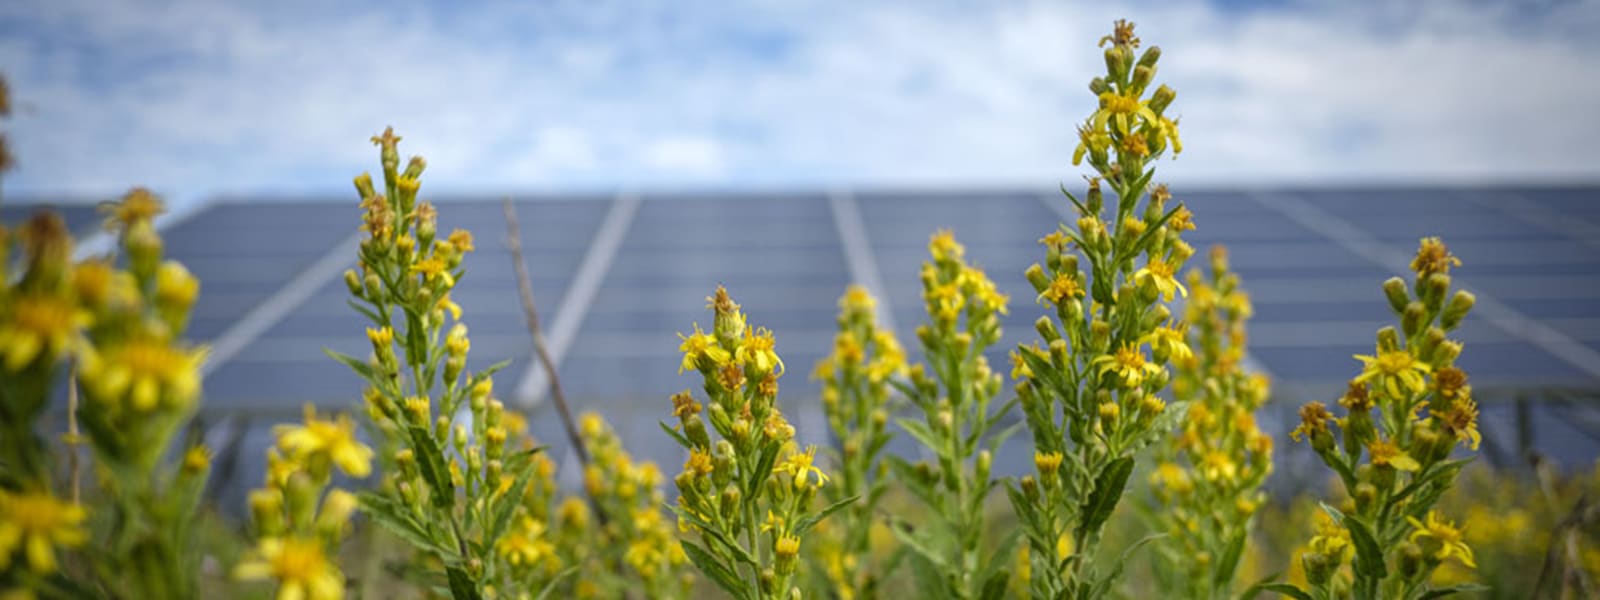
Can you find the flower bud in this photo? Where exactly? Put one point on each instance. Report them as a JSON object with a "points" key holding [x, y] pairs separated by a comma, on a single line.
{"points": [[1098, 86], [1460, 304], [1030, 488], [1162, 98], [1364, 496], [144, 249], [728, 502], [1411, 559], [1395, 290], [374, 287], [1047, 329], [1142, 76], [1099, 336], [1319, 567], [364, 186], [301, 497], [1116, 63], [266, 511], [1037, 278], [335, 513], [352, 282], [1412, 319], [1150, 56], [1388, 340], [1433, 289], [786, 552]]}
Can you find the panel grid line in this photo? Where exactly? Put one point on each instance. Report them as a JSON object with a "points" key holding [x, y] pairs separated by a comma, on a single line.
{"points": [[858, 251], [1365, 245], [574, 307]]}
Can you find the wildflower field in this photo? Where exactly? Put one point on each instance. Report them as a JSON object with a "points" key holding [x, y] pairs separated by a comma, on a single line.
{"points": [[1140, 464]]}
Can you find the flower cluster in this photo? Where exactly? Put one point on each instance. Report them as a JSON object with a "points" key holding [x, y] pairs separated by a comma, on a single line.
{"points": [[1089, 394], [637, 533], [746, 498], [1207, 485], [120, 329], [1407, 410], [298, 520], [453, 489], [958, 426], [855, 396]]}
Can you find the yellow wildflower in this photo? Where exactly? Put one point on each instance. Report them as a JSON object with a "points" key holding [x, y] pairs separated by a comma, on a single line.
{"points": [[1462, 421], [857, 299], [1128, 363], [431, 268], [461, 239], [1433, 257], [1161, 274], [1171, 340], [38, 326], [319, 440], [300, 566], [526, 543], [757, 351], [943, 246], [1441, 538], [37, 523], [145, 369], [138, 205], [1386, 454], [699, 463], [1331, 539], [1063, 287], [799, 465], [1396, 370], [700, 348], [1314, 418]]}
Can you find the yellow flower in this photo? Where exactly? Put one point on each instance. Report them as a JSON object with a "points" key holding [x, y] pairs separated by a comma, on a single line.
{"points": [[757, 351], [37, 523], [175, 286], [432, 268], [148, 370], [1462, 421], [526, 543], [1161, 274], [799, 465], [1047, 463], [857, 299], [984, 293], [38, 326], [1331, 539], [699, 463], [943, 246], [462, 240], [1171, 340], [1062, 288], [701, 348], [1019, 367], [1183, 220], [1314, 418], [1441, 538], [1128, 363], [300, 566], [1433, 257], [320, 440], [1396, 370], [1171, 476], [138, 205], [1386, 454]]}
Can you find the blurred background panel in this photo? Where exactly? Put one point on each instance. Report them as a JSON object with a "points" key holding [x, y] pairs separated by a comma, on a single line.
{"points": [[655, 151]]}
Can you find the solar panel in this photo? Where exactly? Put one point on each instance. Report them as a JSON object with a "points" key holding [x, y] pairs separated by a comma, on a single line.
{"points": [[618, 277]]}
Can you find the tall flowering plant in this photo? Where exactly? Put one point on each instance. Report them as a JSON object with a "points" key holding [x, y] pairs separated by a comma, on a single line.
{"points": [[1405, 414], [1089, 394], [453, 487], [747, 498], [856, 390], [122, 330], [958, 428], [1207, 483]]}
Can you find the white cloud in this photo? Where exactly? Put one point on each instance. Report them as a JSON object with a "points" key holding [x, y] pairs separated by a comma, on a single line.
{"points": [[195, 97]]}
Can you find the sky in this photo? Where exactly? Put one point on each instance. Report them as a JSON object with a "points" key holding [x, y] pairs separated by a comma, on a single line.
{"points": [[200, 97]]}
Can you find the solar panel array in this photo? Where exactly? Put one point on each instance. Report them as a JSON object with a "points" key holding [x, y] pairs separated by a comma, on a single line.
{"points": [[617, 277]]}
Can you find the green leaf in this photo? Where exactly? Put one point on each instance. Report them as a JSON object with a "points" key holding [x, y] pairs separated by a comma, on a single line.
{"points": [[1082, 210], [461, 586], [430, 461], [387, 514], [1454, 589], [507, 504], [682, 441], [1107, 491], [807, 523], [1230, 561], [739, 553], [909, 538], [763, 470], [1282, 589], [994, 588], [714, 569], [372, 316], [555, 582], [1369, 556], [920, 430], [359, 366]]}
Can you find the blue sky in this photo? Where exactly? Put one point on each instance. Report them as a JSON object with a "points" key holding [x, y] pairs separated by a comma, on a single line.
{"points": [[196, 97]]}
